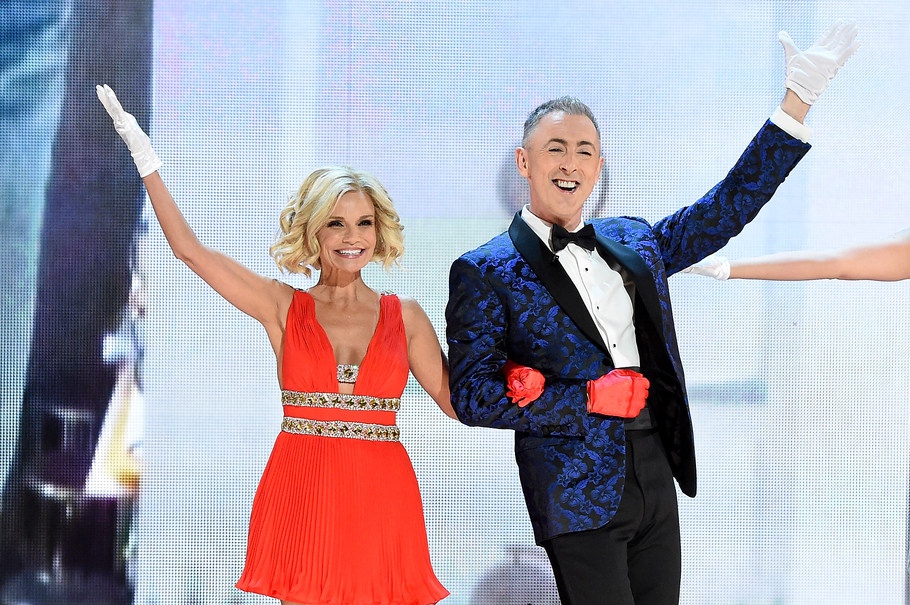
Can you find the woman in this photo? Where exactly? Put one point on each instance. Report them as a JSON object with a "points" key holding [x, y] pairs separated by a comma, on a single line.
{"points": [[888, 260], [337, 516]]}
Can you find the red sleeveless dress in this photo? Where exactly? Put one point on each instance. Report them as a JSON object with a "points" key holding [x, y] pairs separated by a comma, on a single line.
{"points": [[337, 517]]}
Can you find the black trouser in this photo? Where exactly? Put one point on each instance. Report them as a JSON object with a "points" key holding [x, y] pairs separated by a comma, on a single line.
{"points": [[635, 559]]}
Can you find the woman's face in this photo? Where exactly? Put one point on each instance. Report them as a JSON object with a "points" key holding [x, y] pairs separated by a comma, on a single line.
{"points": [[347, 241]]}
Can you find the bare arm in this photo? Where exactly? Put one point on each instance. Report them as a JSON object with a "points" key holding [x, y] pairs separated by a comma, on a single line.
{"points": [[428, 363], [263, 299], [794, 106], [881, 261]]}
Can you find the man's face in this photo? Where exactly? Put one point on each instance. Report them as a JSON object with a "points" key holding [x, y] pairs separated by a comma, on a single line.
{"points": [[562, 163]]}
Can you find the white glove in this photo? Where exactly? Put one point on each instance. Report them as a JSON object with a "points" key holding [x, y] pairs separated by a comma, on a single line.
{"points": [[809, 71], [125, 124], [714, 266]]}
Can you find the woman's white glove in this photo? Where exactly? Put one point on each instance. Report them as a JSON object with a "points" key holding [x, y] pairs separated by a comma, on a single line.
{"points": [[810, 71], [714, 266], [125, 124]]}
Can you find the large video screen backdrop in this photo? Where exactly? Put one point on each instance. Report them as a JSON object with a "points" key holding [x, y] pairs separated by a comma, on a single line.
{"points": [[138, 408]]}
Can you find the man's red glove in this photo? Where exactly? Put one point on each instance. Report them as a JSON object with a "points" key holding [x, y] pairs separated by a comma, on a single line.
{"points": [[620, 393], [523, 384]]}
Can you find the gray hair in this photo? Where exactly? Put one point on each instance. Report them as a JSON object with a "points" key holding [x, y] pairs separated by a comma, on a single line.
{"points": [[568, 105]]}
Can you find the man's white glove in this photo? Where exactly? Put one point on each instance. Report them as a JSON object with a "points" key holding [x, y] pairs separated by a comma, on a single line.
{"points": [[125, 124], [810, 71], [714, 266]]}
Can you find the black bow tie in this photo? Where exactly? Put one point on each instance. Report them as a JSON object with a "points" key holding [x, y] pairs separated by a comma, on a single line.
{"points": [[584, 237]]}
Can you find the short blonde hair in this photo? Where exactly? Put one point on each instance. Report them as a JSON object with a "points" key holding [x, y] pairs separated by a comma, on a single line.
{"points": [[296, 248]]}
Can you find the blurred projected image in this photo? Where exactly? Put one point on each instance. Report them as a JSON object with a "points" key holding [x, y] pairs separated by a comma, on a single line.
{"points": [[70, 316]]}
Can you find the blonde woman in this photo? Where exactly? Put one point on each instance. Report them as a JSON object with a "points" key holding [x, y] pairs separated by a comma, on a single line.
{"points": [[337, 516]]}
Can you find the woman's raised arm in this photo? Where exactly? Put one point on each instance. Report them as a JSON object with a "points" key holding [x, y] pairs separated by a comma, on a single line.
{"points": [[263, 299]]}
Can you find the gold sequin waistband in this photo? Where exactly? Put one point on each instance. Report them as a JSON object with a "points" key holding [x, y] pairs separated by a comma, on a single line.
{"points": [[343, 401], [337, 428]]}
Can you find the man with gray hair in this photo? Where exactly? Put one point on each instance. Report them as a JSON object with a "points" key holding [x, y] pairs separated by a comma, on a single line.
{"points": [[564, 333]]}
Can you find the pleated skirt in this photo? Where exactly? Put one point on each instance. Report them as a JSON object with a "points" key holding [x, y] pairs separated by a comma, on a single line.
{"points": [[339, 521]]}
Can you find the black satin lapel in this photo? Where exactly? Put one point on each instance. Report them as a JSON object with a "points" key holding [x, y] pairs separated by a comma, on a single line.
{"points": [[553, 277], [639, 272]]}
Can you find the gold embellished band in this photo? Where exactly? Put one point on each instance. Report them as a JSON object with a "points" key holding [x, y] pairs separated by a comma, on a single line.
{"points": [[337, 428], [340, 400]]}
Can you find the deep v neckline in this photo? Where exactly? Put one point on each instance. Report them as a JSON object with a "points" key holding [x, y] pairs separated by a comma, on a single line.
{"points": [[328, 342]]}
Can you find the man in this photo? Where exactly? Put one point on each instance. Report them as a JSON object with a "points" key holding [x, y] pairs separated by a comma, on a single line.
{"points": [[599, 445]]}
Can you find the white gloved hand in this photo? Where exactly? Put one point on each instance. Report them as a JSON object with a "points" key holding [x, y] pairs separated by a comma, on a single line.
{"points": [[714, 266], [810, 71], [125, 124]]}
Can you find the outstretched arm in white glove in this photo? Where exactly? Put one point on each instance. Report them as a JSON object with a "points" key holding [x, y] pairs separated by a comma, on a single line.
{"points": [[810, 71], [714, 266], [126, 126], [264, 299], [885, 260]]}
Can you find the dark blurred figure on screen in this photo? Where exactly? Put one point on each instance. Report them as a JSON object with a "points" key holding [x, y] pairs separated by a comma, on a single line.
{"points": [[65, 245]]}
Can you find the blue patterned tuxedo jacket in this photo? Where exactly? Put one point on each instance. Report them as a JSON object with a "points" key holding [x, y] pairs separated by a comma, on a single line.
{"points": [[508, 299]]}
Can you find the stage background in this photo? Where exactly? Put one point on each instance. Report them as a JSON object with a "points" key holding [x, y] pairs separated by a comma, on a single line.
{"points": [[799, 391]]}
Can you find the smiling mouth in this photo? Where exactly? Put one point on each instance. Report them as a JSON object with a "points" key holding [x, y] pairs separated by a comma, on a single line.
{"points": [[350, 253], [567, 186]]}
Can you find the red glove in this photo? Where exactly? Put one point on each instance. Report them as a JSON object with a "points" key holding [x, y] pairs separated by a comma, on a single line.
{"points": [[523, 384], [620, 393]]}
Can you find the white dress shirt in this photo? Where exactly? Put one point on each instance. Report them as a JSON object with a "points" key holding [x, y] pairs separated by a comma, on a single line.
{"points": [[602, 290]]}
